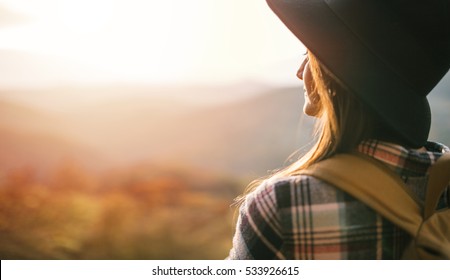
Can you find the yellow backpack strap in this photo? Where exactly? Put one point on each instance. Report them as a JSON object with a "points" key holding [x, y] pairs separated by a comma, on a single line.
{"points": [[372, 183], [438, 181]]}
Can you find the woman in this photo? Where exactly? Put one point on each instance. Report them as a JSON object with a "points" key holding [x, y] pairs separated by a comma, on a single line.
{"points": [[369, 68]]}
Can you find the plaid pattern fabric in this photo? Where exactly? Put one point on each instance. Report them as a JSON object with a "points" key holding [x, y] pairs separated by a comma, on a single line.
{"points": [[301, 217]]}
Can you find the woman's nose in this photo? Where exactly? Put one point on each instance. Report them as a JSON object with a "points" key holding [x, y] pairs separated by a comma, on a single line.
{"points": [[300, 74], [302, 69]]}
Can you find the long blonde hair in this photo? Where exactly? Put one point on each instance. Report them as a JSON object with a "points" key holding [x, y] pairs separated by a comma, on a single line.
{"points": [[343, 121]]}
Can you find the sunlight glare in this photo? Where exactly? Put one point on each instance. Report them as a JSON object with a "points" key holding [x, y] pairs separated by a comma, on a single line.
{"points": [[154, 41], [86, 16]]}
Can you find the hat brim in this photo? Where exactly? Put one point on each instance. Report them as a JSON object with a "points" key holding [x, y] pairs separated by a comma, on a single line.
{"points": [[365, 71]]}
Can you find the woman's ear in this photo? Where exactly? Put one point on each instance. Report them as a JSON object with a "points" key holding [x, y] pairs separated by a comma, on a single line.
{"points": [[313, 104]]}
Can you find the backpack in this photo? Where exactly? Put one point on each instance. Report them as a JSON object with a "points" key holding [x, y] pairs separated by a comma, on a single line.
{"points": [[381, 189]]}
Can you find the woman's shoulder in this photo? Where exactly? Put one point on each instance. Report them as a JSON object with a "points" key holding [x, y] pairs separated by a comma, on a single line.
{"points": [[290, 191]]}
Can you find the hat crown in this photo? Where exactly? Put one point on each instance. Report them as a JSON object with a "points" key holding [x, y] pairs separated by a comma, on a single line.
{"points": [[410, 37]]}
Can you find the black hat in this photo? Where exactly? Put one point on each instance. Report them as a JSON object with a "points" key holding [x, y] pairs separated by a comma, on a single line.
{"points": [[391, 53]]}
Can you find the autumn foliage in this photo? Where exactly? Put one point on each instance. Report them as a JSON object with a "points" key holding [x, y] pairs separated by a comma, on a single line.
{"points": [[139, 212]]}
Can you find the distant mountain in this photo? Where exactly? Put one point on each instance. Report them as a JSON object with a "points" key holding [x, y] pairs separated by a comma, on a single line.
{"points": [[440, 107], [251, 136], [246, 137], [30, 138], [440, 126]]}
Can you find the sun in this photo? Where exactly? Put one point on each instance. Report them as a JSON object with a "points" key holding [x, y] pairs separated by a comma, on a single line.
{"points": [[86, 16]]}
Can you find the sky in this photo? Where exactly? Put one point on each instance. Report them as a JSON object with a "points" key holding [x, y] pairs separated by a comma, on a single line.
{"points": [[144, 42]]}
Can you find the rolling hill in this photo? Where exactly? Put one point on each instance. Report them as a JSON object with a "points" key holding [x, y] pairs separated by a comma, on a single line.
{"points": [[245, 137]]}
